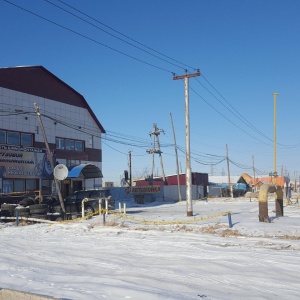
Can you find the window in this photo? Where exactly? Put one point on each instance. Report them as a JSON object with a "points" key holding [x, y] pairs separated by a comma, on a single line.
{"points": [[19, 185], [47, 186], [69, 144], [13, 138], [72, 162], [82, 195], [7, 185], [31, 185], [26, 139], [2, 137], [60, 143], [78, 145], [71, 198], [16, 138], [95, 194], [13, 185]]}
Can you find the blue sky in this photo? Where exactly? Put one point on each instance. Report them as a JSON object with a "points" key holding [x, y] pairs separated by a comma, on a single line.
{"points": [[245, 50]]}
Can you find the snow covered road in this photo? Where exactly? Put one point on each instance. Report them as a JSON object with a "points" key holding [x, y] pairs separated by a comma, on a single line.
{"points": [[86, 260]]}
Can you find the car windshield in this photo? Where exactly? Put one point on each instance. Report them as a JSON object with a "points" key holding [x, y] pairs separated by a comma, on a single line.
{"points": [[82, 195], [100, 193]]}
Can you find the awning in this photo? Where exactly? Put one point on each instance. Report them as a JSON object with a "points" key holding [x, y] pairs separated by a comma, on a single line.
{"points": [[84, 171]]}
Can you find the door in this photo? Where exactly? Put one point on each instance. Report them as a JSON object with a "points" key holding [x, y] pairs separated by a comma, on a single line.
{"points": [[77, 186]]}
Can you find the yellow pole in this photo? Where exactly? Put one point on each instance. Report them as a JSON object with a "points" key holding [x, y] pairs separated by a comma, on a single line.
{"points": [[275, 173]]}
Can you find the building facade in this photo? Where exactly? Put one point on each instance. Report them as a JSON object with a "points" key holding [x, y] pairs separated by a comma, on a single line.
{"points": [[72, 131]]}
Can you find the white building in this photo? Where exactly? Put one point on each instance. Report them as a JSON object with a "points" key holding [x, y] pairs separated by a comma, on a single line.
{"points": [[73, 133]]}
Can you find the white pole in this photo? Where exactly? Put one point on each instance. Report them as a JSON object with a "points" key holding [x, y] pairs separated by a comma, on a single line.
{"points": [[82, 207], [188, 152]]}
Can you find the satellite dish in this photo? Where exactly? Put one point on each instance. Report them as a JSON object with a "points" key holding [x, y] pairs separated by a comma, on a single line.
{"points": [[61, 172]]}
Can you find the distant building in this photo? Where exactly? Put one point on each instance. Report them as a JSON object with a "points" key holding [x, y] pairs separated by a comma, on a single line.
{"points": [[258, 181], [199, 179]]}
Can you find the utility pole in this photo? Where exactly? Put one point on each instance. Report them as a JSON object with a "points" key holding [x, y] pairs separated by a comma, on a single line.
{"points": [[212, 169], [177, 166], [156, 132], [275, 172], [230, 187], [130, 171], [50, 157], [254, 181], [188, 174]]}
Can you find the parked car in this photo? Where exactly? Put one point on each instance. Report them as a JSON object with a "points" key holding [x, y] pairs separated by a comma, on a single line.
{"points": [[73, 201]]}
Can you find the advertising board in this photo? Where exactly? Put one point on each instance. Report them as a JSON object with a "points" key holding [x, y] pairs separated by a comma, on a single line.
{"points": [[22, 162], [142, 189]]}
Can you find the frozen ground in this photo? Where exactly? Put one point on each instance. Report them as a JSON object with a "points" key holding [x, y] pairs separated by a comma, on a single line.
{"points": [[171, 258]]}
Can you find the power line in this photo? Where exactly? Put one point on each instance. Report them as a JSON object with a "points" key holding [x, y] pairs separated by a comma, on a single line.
{"points": [[228, 118], [128, 56], [114, 148], [88, 38], [234, 111], [156, 56], [126, 36]]}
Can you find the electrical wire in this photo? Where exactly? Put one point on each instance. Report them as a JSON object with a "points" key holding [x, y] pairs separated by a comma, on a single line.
{"points": [[228, 118], [206, 158], [126, 36], [156, 56], [234, 112], [237, 114], [88, 38]]}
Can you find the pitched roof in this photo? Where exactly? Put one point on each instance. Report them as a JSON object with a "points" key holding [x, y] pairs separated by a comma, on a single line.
{"points": [[280, 180], [38, 81]]}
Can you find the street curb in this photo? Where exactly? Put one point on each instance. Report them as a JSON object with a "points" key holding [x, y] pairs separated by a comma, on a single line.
{"points": [[8, 294]]}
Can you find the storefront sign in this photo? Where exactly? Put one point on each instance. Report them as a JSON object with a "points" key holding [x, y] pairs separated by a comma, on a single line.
{"points": [[21, 162], [142, 190]]}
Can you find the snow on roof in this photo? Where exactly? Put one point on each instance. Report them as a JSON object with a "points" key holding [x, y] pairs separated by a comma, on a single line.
{"points": [[223, 179]]}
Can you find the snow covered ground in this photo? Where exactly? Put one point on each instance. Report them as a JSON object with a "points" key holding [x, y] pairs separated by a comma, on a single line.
{"points": [[171, 258]]}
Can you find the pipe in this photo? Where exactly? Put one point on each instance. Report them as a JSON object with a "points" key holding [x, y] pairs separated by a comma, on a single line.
{"points": [[82, 206], [263, 201]]}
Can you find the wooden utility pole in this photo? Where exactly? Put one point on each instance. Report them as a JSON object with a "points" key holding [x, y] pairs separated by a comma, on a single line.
{"points": [[130, 171], [275, 142], [227, 158], [176, 153], [50, 157], [254, 181], [188, 174]]}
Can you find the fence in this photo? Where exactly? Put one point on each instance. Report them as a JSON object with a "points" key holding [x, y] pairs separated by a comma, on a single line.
{"points": [[167, 193]]}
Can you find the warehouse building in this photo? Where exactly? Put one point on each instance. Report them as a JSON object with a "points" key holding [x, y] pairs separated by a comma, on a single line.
{"points": [[72, 130]]}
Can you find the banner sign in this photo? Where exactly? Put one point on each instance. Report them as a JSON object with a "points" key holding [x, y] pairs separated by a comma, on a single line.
{"points": [[21, 162], [143, 189]]}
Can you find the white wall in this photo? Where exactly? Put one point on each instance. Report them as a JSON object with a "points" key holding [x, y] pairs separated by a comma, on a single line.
{"points": [[73, 116]]}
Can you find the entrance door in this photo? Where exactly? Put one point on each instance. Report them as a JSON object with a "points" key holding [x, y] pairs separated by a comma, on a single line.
{"points": [[77, 186], [66, 189]]}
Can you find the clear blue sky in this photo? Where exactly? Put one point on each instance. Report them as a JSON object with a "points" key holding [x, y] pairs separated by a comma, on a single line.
{"points": [[246, 50]]}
